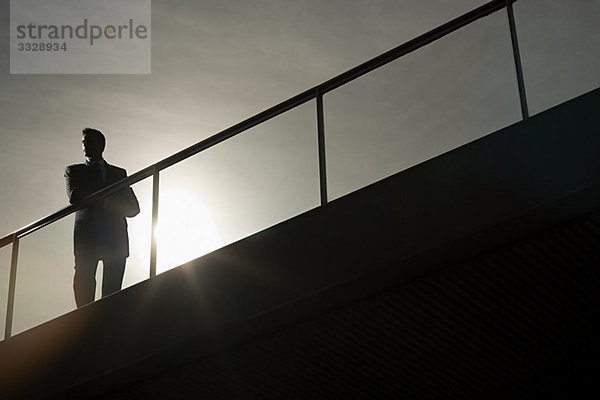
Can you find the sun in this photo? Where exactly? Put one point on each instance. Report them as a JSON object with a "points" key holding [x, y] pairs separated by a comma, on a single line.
{"points": [[186, 228]]}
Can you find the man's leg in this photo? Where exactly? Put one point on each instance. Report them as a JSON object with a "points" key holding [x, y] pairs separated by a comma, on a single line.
{"points": [[84, 281], [113, 275]]}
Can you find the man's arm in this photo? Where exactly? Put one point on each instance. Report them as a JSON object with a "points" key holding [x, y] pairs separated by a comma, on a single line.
{"points": [[124, 201], [74, 190]]}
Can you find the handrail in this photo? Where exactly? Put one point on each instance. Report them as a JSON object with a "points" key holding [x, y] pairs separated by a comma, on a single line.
{"points": [[272, 112]]}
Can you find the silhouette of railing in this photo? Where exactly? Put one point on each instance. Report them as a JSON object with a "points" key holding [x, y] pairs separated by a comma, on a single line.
{"points": [[311, 94]]}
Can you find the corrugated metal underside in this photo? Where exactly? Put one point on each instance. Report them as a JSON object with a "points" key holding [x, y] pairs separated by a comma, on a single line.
{"points": [[518, 322]]}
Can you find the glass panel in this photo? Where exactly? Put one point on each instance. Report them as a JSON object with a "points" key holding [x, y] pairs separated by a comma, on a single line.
{"points": [[5, 254], [45, 269], [254, 180], [138, 263], [44, 275], [558, 41], [450, 92]]}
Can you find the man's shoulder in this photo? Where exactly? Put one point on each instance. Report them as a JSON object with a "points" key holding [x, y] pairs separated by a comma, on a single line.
{"points": [[75, 167], [116, 169]]}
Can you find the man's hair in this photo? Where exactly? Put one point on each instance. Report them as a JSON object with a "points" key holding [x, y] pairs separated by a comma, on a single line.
{"points": [[97, 135]]}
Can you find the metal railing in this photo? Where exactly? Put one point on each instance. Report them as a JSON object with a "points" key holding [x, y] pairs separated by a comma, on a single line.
{"points": [[315, 93]]}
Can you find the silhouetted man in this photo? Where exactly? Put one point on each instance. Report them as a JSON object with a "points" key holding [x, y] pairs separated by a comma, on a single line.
{"points": [[100, 228]]}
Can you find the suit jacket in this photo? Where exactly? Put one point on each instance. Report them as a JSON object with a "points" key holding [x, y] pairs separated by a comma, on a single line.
{"points": [[100, 229]]}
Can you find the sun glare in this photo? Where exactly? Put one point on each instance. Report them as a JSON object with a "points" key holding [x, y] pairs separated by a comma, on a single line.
{"points": [[186, 228]]}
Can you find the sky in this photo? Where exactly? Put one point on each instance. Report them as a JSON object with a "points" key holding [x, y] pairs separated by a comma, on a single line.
{"points": [[215, 63]]}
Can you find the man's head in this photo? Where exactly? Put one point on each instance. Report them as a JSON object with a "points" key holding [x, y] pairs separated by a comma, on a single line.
{"points": [[92, 144]]}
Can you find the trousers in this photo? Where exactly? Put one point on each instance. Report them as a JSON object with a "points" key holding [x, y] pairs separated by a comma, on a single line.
{"points": [[84, 281]]}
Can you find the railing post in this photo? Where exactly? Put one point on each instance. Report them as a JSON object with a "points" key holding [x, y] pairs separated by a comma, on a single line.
{"points": [[153, 241], [517, 56], [11, 287], [321, 144]]}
